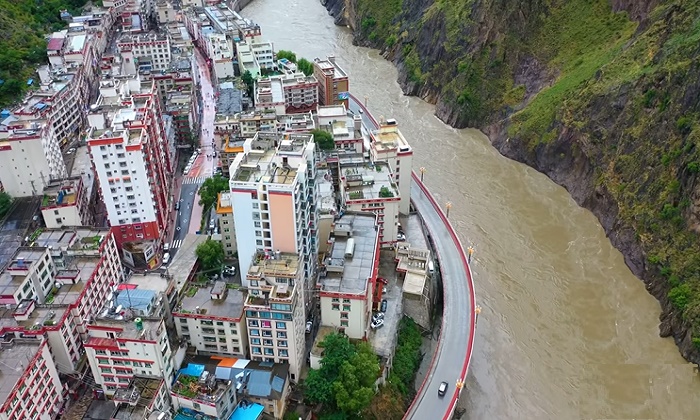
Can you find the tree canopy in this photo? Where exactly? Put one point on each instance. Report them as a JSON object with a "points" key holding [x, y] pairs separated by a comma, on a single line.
{"points": [[5, 203], [210, 254], [303, 65], [249, 80], [210, 189], [324, 139], [23, 25], [347, 375]]}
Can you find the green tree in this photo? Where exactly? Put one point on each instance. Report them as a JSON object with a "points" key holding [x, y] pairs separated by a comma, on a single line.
{"points": [[324, 139], [347, 375], [305, 66], [5, 203], [210, 189], [287, 54], [210, 254], [249, 81]]}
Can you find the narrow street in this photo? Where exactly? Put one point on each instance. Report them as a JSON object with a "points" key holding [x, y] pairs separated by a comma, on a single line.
{"points": [[189, 215]]}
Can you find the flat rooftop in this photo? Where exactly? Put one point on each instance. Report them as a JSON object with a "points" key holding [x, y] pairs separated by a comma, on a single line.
{"points": [[388, 137], [184, 260], [230, 100], [13, 359], [330, 67], [136, 398], [355, 271], [150, 329], [82, 167], [72, 238], [202, 297], [269, 164], [366, 181]]}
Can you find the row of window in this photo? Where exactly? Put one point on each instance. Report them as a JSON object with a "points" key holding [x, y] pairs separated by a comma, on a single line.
{"points": [[270, 352]]}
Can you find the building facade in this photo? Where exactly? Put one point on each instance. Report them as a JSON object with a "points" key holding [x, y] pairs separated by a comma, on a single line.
{"points": [[66, 203], [333, 82], [227, 224], [273, 194]]}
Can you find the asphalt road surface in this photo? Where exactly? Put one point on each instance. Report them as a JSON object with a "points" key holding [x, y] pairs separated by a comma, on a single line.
{"points": [[455, 337]]}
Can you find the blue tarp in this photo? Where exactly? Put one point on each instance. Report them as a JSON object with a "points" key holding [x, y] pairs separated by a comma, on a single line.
{"points": [[137, 299], [193, 370], [247, 412]]}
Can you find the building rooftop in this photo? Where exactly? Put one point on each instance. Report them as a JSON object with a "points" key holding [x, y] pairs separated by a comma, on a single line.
{"points": [[366, 181], [326, 201], [84, 239], [14, 358], [350, 275], [199, 380], [184, 260], [148, 330], [230, 100], [223, 203], [61, 193], [214, 301], [330, 67], [136, 399], [269, 164], [388, 137], [82, 167], [269, 91]]}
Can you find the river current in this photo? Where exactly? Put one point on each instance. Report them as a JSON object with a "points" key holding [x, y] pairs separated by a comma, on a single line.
{"points": [[566, 330]]}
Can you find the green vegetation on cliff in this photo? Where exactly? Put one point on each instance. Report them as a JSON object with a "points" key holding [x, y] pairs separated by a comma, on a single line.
{"points": [[580, 91], [23, 29]]}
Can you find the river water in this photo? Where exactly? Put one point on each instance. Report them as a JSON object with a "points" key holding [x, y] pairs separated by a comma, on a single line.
{"points": [[566, 331]]}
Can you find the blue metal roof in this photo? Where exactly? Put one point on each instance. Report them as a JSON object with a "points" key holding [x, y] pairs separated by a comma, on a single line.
{"points": [[259, 383], [136, 299], [247, 412]]}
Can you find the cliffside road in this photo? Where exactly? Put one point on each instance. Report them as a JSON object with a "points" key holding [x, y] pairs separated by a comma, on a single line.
{"points": [[451, 359]]}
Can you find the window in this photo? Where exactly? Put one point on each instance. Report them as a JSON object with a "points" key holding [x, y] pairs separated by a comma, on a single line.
{"points": [[281, 325], [281, 334], [336, 307], [346, 308], [343, 323], [283, 353], [281, 343]]}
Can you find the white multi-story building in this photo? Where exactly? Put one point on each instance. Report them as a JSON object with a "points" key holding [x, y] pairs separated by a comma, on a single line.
{"points": [[149, 52], [274, 199], [55, 286], [227, 225], [366, 187], [30, 156], [389, 145], [66, 203], [300, 92], [132, 159], [212, 320], [269, 95], [118, 349], [349, 273], [220, 50], [275, 309], [346, 129], [31, 387]]}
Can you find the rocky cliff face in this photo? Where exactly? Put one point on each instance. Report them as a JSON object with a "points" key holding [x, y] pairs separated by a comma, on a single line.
{"points": [[603, 97]]}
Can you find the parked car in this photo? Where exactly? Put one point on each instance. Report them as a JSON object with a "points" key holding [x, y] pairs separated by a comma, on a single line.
{"points": [[382, 280], [309, 326], [383, 290], [166, 258], [384, 305], [377, 324], [199, 150], [177, 206], [230, 271], [442, 389], [400, 237], [377, 316], [166, 247]]}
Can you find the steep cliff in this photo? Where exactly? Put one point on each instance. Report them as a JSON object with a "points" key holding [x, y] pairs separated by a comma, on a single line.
{"points": [[603, 97]]}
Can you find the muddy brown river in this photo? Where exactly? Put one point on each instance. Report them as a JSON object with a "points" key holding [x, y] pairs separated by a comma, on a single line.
{"points": [[566, 331]]}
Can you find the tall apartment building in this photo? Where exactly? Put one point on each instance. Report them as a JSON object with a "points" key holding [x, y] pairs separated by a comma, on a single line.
{"points": [[275, 309], [132, 160], [387, 144], [287, 94], [147, 52], [212, 320], [53, 289], [333, 82], [274, 199], [29, 154], [227, 225], [31, 387], [220, 51], [349, 273], [66, 203]]}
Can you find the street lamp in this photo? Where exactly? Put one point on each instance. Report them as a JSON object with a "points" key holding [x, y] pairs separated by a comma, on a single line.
{"points": [[422, 172], [449, 206]]}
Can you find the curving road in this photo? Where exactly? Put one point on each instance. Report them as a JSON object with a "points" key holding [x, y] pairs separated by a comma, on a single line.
{"points": [[451, 359]]}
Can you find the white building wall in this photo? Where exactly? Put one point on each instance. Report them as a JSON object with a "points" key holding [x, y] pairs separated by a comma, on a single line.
{"points": [[26, 168], [355, 324], [69, 216], [234, 334], [245, 230]]}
